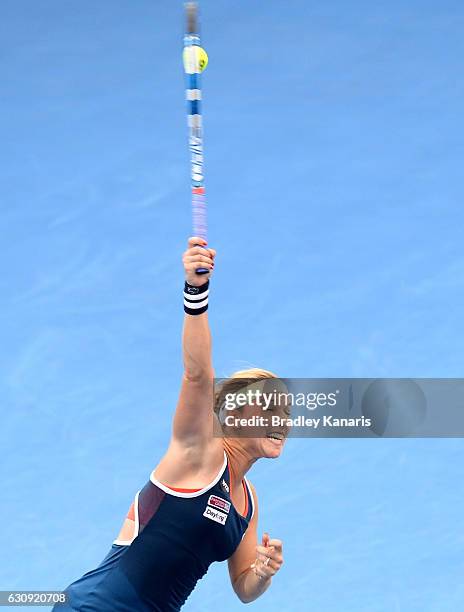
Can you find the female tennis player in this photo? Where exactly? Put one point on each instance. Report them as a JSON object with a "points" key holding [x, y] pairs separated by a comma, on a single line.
{"points": [[198, 506]]}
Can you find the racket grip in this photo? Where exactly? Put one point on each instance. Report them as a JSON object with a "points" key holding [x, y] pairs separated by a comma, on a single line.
{"points": [[201, 270]]}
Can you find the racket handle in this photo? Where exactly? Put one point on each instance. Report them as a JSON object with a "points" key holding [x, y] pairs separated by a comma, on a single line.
{"points": [[202, 270]]}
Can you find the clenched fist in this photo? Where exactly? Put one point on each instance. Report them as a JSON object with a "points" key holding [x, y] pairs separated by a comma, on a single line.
{"points": [[269, 558], [197, 256]]}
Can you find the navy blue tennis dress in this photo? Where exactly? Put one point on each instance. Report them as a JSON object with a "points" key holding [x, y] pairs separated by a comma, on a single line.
{"points": [[178, 536]]}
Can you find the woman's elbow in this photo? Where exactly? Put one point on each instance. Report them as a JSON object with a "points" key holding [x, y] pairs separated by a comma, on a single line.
{"points": [[244, 599]]}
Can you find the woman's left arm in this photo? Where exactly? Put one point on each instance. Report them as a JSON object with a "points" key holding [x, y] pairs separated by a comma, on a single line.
{"points": [[252, 567]]}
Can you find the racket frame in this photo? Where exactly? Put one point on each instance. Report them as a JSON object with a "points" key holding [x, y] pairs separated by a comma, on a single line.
{"points": [[195, 122]]}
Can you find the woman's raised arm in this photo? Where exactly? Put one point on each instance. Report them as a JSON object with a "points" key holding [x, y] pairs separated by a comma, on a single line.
{"points": [[193, 418]]}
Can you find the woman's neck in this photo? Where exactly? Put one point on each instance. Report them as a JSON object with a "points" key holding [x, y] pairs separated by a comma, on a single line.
{"points": [[240, 460]]}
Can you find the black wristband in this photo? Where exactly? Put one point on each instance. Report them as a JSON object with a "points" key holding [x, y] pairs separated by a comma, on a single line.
{"points": [[196, 299]]}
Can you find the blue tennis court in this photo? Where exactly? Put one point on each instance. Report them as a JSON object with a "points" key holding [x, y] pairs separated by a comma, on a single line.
{"points": [[333, 146]]}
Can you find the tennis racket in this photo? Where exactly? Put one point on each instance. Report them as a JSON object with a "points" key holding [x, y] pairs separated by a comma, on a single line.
{"points": [[195, 121]]}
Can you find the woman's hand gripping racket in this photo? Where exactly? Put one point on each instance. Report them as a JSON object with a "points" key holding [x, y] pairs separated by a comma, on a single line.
{"points": [[195, 60], [198, 256]]}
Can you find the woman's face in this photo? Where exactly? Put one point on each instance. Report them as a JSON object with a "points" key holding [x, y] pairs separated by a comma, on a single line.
{"points": [[262, 432]]}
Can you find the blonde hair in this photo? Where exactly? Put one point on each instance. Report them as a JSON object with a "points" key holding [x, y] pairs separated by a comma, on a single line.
{"points": [[238, 380]]}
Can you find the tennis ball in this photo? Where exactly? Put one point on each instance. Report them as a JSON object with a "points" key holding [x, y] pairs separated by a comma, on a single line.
{"points": [[195, 56], [202, 58]]}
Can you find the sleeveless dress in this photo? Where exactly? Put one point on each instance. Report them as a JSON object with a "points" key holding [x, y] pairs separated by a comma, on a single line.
{"points": [[178, 535]]}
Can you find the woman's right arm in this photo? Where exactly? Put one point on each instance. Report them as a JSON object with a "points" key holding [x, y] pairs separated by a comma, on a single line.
{"points": [[193, 419]]}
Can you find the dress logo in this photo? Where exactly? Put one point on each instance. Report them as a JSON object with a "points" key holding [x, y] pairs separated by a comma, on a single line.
{"points": [[215, 515], [225, 486], [219, 502]]}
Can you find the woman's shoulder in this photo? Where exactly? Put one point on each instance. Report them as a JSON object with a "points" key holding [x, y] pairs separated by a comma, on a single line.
{"points": [[253, 492], [183, 464]]}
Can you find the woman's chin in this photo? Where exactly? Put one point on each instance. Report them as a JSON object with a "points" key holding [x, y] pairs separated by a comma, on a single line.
{"points": [[272, 447]]}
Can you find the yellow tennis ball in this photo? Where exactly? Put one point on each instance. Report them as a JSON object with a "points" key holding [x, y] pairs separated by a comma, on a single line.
{"points": [[202, 58], [195, 56]]}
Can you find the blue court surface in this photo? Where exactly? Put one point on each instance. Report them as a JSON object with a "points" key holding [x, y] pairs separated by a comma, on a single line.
{"points": [[334, 144]]}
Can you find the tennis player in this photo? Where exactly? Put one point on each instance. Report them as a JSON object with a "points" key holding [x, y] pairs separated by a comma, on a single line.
{"points": [[198, 506]]}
